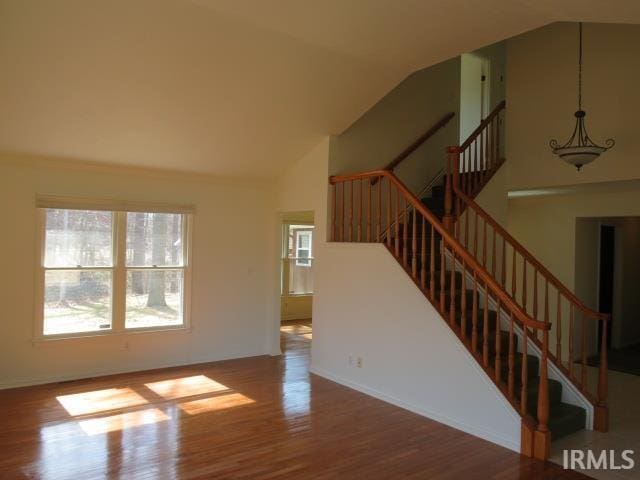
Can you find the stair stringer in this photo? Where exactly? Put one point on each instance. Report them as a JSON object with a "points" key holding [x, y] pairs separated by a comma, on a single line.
{"points": [[570, 394]]}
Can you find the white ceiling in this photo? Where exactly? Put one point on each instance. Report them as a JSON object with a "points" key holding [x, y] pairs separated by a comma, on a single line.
{"points": [[229, 87]]}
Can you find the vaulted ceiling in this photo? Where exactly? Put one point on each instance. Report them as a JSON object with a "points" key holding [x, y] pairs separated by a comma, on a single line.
{"points": [[229, 87]]}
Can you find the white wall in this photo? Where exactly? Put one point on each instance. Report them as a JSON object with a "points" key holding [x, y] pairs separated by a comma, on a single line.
{"points": [[368, 307], [397, 120], [542, 98], [230, 278]]}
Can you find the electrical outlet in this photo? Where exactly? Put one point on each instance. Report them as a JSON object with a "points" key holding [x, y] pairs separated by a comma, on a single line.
{"points": [[359, 362]]}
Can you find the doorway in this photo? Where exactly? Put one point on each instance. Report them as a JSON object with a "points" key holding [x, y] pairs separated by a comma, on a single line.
{"points": [[296, 281]]}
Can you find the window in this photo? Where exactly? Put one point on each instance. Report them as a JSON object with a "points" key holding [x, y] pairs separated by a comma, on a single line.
{"points": [[297, 260], [303, 248], [112, 271]]}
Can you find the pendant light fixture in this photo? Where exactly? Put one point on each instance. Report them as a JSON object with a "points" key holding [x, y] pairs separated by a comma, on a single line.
{"points": [[580, 149]]}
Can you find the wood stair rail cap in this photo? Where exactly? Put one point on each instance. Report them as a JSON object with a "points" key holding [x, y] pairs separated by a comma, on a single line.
{"points": [[484, 275]]}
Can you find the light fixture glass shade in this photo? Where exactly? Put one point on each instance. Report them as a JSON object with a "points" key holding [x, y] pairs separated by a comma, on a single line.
{"points": [[580, 150], [579, 156]]}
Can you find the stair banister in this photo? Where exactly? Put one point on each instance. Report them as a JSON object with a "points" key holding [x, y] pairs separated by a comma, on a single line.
{"points": [[417, 143], [465, 203], [443, 290], [460, 251]]}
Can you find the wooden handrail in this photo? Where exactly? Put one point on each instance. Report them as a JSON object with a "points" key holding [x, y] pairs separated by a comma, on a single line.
{"points": [[426, 188], [568, 294], [458, 202], [459, 250], [419, 141], [479, 156], [501, 106], [450, 277]]}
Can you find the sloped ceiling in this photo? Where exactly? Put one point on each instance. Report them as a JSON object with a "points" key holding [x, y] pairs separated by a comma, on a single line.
{"points": [[237, 88]]}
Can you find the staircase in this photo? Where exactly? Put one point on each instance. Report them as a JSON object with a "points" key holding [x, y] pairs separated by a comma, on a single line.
{"points": [[564, 418], [503, 304]]}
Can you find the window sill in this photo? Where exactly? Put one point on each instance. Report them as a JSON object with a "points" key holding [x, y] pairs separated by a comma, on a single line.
{"points": [[110, 334]]}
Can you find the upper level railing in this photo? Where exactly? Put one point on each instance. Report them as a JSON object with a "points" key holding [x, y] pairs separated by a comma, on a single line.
{"points": [[444, 269], [480, 155]]}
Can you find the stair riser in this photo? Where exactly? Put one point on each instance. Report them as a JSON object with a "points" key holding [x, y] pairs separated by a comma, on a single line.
{"points": [[533, 366], [555, 395]]}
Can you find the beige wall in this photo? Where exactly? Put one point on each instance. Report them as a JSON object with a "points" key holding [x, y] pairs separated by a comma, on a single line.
{"points": [[546, 224], [542, 97], [230, 274], [493, 197], [404, 114], [555, 230]]}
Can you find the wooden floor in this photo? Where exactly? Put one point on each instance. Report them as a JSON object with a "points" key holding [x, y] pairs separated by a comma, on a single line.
{"points": [[255, 418]]}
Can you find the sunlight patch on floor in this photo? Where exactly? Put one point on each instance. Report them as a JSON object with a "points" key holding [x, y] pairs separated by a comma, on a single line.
{"points": [[100, 401], [213, 404], [185, 387], [112, 423]]}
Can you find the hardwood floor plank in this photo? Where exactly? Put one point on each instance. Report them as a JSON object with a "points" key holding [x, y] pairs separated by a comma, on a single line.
{"points": [[256, 418]]}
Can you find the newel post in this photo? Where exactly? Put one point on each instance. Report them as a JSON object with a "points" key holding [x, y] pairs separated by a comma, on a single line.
{"points": [[451, 179], [542, 435], [601, 414]]}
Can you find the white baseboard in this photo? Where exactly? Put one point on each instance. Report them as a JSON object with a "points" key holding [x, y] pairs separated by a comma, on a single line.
{"points": [[490, 436], [69, 376]]}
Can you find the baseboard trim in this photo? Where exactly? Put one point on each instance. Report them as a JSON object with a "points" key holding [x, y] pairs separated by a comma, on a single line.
{"points": [[70, 376], [420, 410]]}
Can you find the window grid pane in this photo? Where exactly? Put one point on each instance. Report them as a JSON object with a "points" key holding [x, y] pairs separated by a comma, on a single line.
{"points": [[78, 238], [77, 301], [154, 298], [154, 239]]}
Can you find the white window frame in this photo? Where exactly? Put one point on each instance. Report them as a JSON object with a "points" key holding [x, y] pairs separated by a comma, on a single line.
{"points": [[304, 261], [119, 267]]}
